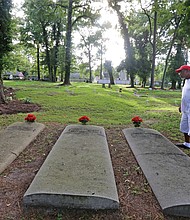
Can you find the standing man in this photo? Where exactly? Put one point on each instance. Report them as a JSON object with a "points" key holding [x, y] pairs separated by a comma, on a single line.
{"points": [[184, 72]]}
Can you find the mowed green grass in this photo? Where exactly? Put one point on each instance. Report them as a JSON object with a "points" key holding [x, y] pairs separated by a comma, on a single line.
{"points": [[104, 106]]}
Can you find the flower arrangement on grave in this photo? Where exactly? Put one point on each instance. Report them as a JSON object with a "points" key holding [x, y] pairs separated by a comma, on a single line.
{"points": [[30, 118], [137, 121], [84, 119]]}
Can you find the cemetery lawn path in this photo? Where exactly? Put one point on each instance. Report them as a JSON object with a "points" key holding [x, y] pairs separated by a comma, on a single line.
{"points": [[137, 202]]}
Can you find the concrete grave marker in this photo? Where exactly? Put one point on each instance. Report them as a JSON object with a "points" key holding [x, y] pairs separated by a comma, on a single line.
{"points": [[166, 168], [15, 138], [77, 173]]}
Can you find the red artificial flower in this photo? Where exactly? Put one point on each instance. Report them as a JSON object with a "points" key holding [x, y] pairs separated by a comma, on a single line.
{"points": [[137, 119], [30, 118], [84, 119]]}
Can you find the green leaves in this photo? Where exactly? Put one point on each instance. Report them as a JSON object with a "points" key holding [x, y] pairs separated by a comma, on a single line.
{"points": [[5, 30]]}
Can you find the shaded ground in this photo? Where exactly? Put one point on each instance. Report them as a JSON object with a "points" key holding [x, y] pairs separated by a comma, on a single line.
{"points": [[17, 106], [14, 106], [136, 198]]}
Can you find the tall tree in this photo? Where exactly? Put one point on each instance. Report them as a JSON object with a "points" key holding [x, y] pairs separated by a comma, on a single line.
{"points": [[5, 38], [175, 62], [153, 20], [43, 27], [68, 43], [77, 11], [154, 43], [143, 57], [176, 14], [91, 41], [129, 55], [186, 22], [139, 32]]}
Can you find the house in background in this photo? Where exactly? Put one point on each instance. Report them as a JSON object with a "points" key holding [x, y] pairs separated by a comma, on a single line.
{"points": [[9, 75]]}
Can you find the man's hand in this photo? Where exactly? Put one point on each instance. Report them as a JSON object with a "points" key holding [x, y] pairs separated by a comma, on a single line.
{"points": [[180, 109]]}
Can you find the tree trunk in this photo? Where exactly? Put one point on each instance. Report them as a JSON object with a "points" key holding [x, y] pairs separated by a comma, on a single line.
{"points": [[62, 65], [127, 45], [90, 67], [47, 53], [57, 36], [154, 49], [179, 83], [173, 86], [2, 95], [132, 81], [169, 52], [55, 50], [68, 45], [38, 61], [128, 54], [144, 82], [101, 63], [111, 78], [109, 68]]}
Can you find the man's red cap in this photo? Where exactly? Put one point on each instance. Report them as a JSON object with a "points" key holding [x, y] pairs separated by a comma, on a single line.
{"points": [[183, 67]]}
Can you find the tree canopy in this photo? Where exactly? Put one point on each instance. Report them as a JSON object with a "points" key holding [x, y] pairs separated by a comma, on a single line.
{"points": [[5, 37], [150, 29]]}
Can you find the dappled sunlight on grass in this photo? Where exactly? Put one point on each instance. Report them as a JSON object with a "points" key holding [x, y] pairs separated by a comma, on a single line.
{"points": [[105, 106]]}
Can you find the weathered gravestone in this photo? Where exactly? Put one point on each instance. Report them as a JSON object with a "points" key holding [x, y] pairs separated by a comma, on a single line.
{"points": [[15, 138], [77, 173], [166, 168]]}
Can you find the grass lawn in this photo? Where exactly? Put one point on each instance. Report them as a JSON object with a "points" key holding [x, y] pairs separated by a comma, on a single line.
{"points": [[104, 106]]}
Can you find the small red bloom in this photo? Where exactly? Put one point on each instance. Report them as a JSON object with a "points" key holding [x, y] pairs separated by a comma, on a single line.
{"points": [[30, 118], [84, 119], [137, 121]]}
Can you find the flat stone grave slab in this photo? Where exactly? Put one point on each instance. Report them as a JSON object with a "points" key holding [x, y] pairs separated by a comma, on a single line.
{"points": [[77, 173], [166, 168], [15, 138]]}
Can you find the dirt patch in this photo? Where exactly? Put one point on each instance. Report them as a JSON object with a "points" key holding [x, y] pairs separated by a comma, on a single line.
{"points": [[14, 106]]}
